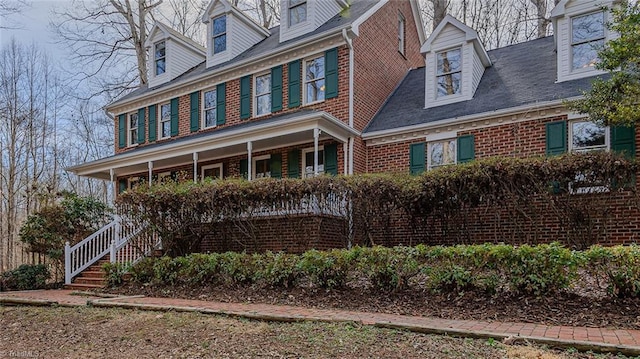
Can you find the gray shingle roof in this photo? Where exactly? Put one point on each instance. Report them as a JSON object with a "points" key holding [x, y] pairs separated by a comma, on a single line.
{"points": [[521, 74], [271, 43]]}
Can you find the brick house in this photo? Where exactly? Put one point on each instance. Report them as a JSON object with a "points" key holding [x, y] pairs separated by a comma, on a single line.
{"points": [[347, 87]]}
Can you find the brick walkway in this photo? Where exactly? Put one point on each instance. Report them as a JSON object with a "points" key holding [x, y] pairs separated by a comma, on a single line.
{"points": [[597, 339]]}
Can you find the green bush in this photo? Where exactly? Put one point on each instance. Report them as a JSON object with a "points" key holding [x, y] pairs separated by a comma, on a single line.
{"points": [[326, 269], [389, 269], [278, 269], [25, 277], [619, 266], [114, 273]]}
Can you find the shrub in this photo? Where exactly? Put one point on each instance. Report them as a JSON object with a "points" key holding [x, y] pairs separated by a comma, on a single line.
{"points": [[114, 273], [25, 277], [326, 269], [620, 267], [389, 269], [278, 269]]}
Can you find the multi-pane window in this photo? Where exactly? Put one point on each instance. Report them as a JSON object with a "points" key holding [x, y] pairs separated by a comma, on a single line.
{"points": [[165, 120], [297, 11], [212, 171], [133, 128], [209, 106], [401, 30], [441, 153], [262, 167], [449, 72], [587, 37], [308, 162], [263, 94], [588, 136], [219, 34], [160, 55], [314, 80]]}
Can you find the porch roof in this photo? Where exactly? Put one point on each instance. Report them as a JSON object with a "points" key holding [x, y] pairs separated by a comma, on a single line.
{"points": [[278, 131]]}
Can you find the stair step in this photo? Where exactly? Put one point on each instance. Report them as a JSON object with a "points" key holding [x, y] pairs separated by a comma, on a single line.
{"points": [[86, 280], [75, 286], [88, 273]]}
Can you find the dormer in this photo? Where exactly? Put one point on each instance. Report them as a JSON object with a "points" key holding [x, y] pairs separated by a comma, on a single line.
{"points": [[230, 32], [299, 17], [170, 54], [455, 62], [580, 30]]}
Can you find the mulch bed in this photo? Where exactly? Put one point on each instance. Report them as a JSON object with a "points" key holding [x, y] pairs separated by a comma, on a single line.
{"points": [[565, 308]]}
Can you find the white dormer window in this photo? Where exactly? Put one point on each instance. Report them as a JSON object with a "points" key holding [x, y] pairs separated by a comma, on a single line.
{"points": [[165, 120], [160, 55], [297, 12], [449, 72], [401, 30], [314, 80], [219, 34], [209, 107], [263, 94], [587, 37]]}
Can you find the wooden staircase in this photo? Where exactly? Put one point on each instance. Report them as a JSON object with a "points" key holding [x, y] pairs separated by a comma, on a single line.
{"points": [[91, 278]]}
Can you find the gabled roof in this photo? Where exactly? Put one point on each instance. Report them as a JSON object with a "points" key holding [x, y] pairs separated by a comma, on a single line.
{"points": [[470, 36], [170, 32], [229, 7], [269, 45], [522, 74]]}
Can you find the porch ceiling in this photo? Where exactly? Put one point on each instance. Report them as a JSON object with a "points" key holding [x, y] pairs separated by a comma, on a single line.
{"points": [[276, 132]]}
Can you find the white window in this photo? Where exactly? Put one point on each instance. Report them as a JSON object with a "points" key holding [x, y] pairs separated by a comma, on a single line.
{"points": [[449, 72], [314, 80], [132, 129], [585, 136], [219, 34], [261, 166], [164, 177], [160, 57], [441, 153], [297, 12], [133, 182], [262, 99], [165, 120], [307, 162], [209, 110], [401, 30], [212, 171], [587, 37]]}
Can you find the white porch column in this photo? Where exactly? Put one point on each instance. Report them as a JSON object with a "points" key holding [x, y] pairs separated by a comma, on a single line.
{"points": [[114, 189], [249, 150], [316, 137], [345, 152], [195, 167], [351, 140], [150, 166]]}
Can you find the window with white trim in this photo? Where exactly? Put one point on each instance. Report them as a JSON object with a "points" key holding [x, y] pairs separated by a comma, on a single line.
{"points": [[307, 162], [132, 129], [165, 120], [587, 38], [314, 87], [441, 153], [401, 32], [449, 72], [261, 166], [219, 34], [213, 171], [586, 136], [262, 98], [160, 55], [297, 12], [133, 182], [209, 110]]}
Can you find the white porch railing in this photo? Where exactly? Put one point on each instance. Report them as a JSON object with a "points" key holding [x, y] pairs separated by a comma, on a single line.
{"points": [[110, 239]]}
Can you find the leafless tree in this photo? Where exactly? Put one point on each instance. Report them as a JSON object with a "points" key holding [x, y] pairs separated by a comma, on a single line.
{"points": [[8, 8]]}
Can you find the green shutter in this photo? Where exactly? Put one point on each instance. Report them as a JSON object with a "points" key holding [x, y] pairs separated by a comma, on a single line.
{"points": [[141, 126], [466, 149], [331, 159], [122, 185], [221, 104], [294, 84], [556, 138], [153, 126], [122, 131], [276, 166], [276, 88], [623, 140], [331, 73], [195, 111], [417, 158], [175, 102], [293, 164], [244, 168], [245, 97]]}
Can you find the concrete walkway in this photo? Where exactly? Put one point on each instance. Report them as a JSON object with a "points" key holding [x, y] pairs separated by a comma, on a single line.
{"points": [[623, 341]]}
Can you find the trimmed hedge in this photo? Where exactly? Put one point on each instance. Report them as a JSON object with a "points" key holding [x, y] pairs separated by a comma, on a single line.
{"points": [[525, 270], [25, 277]]}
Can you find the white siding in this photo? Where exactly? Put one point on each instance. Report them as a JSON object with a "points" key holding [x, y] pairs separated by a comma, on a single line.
{"points": [[318, 12], [241, 36], [325, 10], [181, 58], [151, 65], [478, 71], [449, 37]]}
